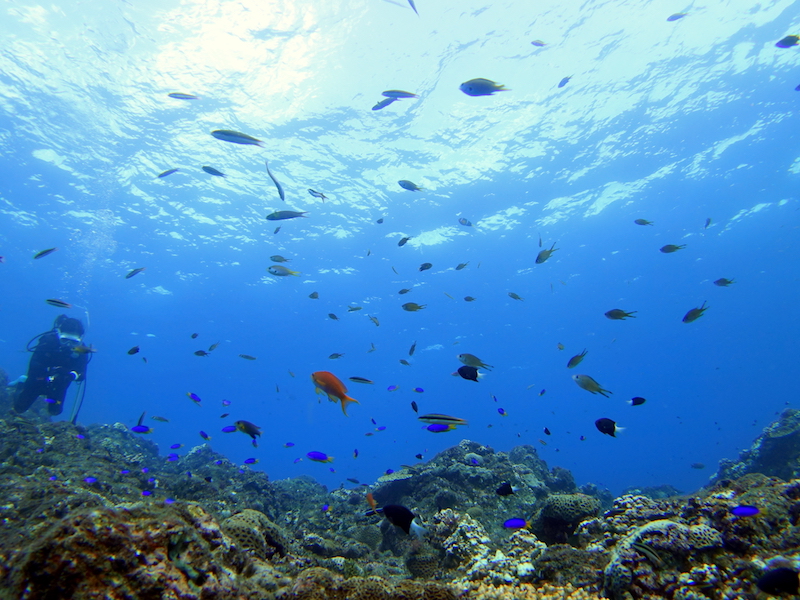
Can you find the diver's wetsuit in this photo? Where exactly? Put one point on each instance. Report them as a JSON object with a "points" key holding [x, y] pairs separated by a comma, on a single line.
{"points": [[52, 368]]}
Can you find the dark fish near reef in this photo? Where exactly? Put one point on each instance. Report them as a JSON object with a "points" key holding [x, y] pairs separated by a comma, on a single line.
{"points": [[134, 272], [722, 282], [607, 426], [467, 372], [133, 350], [213, 171], [669, 248], [409, 185], [782, 580], [167, 173], [636, 401], [247, 357], [182, 96], [788, 41], [139, 428], [617, 314], [564, 81], [275, 181], [590, 385], [695, 313], [481, 87], [506, 489], [643, 222], [248, 428], [384, 103], [235, 137], [545, 254], [58, 303], [403, 241], [425, 266], [281, 215], [44, 253], [401, 517], [576, 360]]}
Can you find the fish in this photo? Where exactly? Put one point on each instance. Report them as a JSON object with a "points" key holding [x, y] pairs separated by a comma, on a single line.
{"points": [[695, 313], [448, 295], [282, 215], [182, 96], [224, 415], [467, 372], [278, 258], [397, 94], [506, 489], [372, 347], [560, 346], [194, 397], [481, 87], [576, 360], [411, 350], [418, 456], [319, 456], [546, 431], [250, 461], [194, 336], [545, 254], [327, 383], [425, 266], [201, 353], [135, 272], [392, 388], [707, 223], [395, 271], [213, 347], [353, 480], [697, 466], [229, 429], [413, 306], [249, 428], [139, 428], [473, 361], [247, 357], [676, 16], [277, 229], [669, 248], [354, 308], [404, 362], [275, 181], [414, 407], [464, 222], [782, 580], [314, 295], [336, 355], [516, 524], [607, 426], [564, 81], [722, 282], [43, 253], [411, 3], [379, 221], [744, 510], [636, 401], [204, 435], [514, 296], [288, 445], [441, 419], [160, 419], [333, 317], [502, 412], [167, 173], [280, 271], [213, 171], [469, 299], [617, 314], [228, 402], [643, 222], [590, 385], [381, 104], [58, 303], [360, 380], [401, 517], [409, 185], [377, 324], [403, 241], [540, 240], [317, 194], [460, 266], [133, 350], [788, 41], [236, 137]]}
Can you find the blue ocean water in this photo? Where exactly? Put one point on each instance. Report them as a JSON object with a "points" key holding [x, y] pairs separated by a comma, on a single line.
{"points": [[675, 122]]}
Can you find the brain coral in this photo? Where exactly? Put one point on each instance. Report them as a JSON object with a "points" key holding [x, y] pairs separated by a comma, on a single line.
{"points": [[254, 532], [571, 508]]}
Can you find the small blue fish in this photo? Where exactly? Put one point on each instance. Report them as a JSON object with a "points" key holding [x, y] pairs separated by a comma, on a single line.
{"points": [[384, 103], [564, 81], [182, 96], [355, 453], [411, 2], [676, 16], [275, 181], [147, 493], [90, 480], [288, 444], [235, 137], [409, 185], [229, 429], [502, 412], [319, 456], [250, 461], [195, 398], [397, 94], [139, 428], [419, 390], [205, 436], [167, 173], [464, 222], [744, 510], [439, 427], [326, 507], [213, 171], [515, 524], [393, 388], [481, 87], [172, 457]]}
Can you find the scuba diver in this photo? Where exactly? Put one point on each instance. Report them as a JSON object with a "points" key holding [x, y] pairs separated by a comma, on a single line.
{"points": [[59, 358]]}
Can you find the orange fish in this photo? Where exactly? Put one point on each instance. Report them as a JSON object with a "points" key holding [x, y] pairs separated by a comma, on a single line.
{"points": [[333, 387]]}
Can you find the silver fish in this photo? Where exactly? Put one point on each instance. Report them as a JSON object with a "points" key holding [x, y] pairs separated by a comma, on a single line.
{"points": [[236, 137], [275, 181]]}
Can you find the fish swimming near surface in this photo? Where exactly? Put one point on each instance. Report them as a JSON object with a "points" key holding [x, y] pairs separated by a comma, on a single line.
{"points": [[590, 385], [576, 360], [617, 314], [670, 248], [167, 173], [135, 272], [425, 266], [411, 3], [182, 96], [412, 349], [414, 407], [469, 299], [44, 253], [545, 254], [277, 258], [58, 303], [538, 43], [676, 16], [236, 137], [333, 316], [377, 324], [564, 81], [281, 271], [695, 313], [397, 94], [481, 87], [465, 222], [380, 105], [608, 427], [282, 215], [336, 355], [327, 383], [201, 353], [213, 171], [409, 185], [473, 361], [788, 41], [403, 241], [275, 181], [317, 194]]}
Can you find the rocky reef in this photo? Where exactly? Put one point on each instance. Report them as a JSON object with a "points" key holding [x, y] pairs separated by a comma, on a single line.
{"points": [[94, 512]]}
